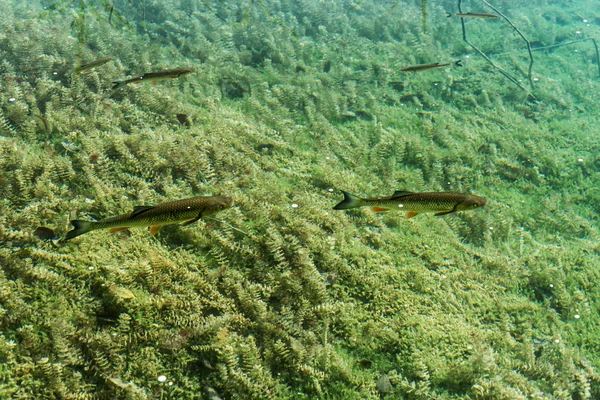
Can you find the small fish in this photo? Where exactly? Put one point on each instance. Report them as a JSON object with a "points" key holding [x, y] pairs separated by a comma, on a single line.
{"points": [[155, 76], [424, 67], [441, 203], [475, 15], [88, 66], [45, 233], [187, 211]]}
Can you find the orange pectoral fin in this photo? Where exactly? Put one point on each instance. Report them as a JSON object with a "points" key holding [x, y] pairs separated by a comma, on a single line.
{"points": [[154, 229], [117, 229], [411, 214], [378, 210]]}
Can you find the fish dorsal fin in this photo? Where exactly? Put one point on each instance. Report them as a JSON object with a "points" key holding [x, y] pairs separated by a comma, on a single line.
{"points": [[400, 193], [137, 210]]}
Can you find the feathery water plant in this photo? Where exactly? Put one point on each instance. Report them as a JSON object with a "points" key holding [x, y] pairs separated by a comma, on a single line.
{"points": [[283, 297]]}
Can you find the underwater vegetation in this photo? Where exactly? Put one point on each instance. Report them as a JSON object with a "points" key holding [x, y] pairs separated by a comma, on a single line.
{"points": [[280, 296]]}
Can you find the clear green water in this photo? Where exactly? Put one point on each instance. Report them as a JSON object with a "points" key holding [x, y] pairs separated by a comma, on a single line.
{"points": [[282, 297]]}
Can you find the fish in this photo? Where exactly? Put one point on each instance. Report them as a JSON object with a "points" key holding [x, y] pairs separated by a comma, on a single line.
{"points": [[475, 15], [186, 211], [155, 76], [424, 67], [440, 203], [45, 233], [88, 66]]}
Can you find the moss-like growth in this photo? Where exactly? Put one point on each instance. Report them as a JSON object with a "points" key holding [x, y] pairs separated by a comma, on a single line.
{"points": [[282, 297]]}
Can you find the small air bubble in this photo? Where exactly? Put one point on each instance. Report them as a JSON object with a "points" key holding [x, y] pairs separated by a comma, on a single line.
{"points": [[551, 285], [330, 190], [294, 205], [580, 159], [585, 20], [12, 99], [162, 378], [577, 316], [556, 340]]}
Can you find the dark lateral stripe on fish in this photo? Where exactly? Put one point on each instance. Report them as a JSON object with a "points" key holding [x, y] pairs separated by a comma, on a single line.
{"points": [[93, 64], [155, 76], [424, 67], [440, 203], [185, 211], [475, 15]]}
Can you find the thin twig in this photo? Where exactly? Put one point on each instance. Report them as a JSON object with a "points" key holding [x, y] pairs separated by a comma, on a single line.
{"points": [[552, 46], [481, 53], [520, 34], [229, 225]]}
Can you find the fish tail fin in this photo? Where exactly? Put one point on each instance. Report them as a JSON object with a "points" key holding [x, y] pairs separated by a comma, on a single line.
{"points": [[79, 228], [458, 63], [350, 201], [118, 84], [448, 15]]}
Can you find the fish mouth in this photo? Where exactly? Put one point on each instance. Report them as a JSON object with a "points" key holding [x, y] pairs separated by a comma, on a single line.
{"points": [[228, 202]]}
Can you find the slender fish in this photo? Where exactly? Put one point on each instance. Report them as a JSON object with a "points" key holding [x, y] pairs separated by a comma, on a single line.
{"points": [[440, 203], [475, 15], [155, 76], [88, 66], [424, 67], [186, 211]]}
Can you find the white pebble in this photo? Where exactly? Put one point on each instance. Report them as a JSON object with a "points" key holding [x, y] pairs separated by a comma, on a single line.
{"points": [[162, 378]]}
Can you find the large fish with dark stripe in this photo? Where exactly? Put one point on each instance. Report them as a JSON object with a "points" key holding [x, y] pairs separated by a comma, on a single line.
{"points": [[440, 203], [186, 211]]}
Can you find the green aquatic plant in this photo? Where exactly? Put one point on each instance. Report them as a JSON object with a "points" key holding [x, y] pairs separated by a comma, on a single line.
{"points": [[283, 297], [424, 15], [101, 9]]}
